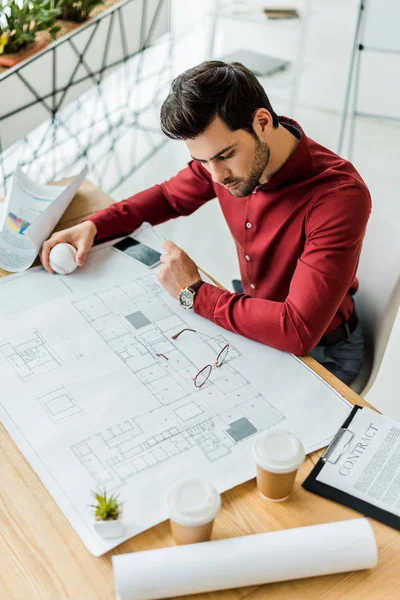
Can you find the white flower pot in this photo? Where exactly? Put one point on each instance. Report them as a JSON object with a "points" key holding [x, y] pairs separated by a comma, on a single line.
{"points": [[109, 529]]}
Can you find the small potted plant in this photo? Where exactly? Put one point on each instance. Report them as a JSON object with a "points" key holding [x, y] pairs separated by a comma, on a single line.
{"points": [[20, 21], [77, 10], [108, 515]]}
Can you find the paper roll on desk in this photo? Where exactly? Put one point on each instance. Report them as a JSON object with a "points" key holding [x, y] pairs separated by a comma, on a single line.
{"points": [[249, 560]]}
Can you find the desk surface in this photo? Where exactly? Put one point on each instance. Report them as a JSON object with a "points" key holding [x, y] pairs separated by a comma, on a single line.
{"points": [[42, 557]]}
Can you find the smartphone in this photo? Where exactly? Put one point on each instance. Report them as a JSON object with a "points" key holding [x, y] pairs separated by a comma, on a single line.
{"points": [[144, 254]]}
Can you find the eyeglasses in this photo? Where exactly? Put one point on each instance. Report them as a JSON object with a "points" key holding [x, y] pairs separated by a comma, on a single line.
{"points": [[203, 375]]}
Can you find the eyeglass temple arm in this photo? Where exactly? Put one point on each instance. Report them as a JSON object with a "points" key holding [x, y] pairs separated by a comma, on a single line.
{"points": [[175, 337]]}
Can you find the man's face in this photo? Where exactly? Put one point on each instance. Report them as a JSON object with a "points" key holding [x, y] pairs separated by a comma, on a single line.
{"points": [[235, 159]]}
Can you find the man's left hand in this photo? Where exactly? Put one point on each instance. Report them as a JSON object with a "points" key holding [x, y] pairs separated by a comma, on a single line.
{"points": [[177, 270]]}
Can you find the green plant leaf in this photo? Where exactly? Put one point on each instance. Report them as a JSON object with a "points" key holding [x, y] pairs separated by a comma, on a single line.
{"points": [[23, 20], [107, 507]]}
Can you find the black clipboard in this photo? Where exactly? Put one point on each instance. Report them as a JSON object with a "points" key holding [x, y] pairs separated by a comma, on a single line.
{"points": [[322, 489]]}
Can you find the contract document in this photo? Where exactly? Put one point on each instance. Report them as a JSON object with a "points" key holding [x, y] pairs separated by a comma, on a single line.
{"points": [[361, 467]]}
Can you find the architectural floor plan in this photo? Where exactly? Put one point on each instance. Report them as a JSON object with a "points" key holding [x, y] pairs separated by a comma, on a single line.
{"points": [[214, 418], [29, 355], [100, 392]]}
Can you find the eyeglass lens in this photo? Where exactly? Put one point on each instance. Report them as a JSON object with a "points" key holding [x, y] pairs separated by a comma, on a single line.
{"points": [[202, 376], [222, 356]]}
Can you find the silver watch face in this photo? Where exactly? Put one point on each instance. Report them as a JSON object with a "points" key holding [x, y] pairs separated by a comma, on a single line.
{"points": [[186, 299]]}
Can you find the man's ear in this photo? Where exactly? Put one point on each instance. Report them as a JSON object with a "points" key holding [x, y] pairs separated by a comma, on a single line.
{"points": [[262, 121]]}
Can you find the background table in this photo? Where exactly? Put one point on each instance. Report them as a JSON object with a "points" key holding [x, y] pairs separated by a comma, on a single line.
{"points": [[42, 557]]}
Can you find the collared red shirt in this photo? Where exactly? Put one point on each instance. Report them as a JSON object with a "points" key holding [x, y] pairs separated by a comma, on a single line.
{"points": [[298, 238]]}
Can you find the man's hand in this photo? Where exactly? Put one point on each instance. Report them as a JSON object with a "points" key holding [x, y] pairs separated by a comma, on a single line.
{"points": [[80, 236], [177, 270]]}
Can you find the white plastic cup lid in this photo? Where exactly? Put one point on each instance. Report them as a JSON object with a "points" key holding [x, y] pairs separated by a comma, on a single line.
{"points": [[278, 452], [192, 502]]}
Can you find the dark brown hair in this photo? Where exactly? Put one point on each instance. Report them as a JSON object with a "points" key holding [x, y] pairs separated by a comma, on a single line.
{"points": [[213, 88]]}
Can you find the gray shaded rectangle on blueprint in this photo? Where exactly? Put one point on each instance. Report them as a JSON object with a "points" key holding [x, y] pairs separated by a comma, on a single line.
{"points": [[241, 429], [137, 319]]}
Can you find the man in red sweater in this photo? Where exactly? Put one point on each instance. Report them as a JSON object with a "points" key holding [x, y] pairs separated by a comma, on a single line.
{"points": [[297, 212]]}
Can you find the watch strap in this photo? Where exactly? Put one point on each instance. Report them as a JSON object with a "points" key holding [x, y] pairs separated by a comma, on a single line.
{"points": [[195, 286]]}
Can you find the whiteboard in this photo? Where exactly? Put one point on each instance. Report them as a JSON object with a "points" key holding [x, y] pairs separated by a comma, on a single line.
{"points": [[382, 25]]}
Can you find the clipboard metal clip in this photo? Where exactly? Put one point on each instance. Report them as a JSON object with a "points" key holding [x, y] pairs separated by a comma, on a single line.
{"points": [[338, 445]]}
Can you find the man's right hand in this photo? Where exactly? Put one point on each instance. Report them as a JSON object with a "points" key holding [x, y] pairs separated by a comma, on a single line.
{"points": [[80, 236]]}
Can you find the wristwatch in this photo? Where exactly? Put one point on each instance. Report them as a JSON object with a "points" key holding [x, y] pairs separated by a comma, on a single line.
{"points": [[186, 297]]}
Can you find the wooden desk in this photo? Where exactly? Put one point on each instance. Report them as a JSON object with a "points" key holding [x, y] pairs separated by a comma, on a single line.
{"points": [[42, 557]]}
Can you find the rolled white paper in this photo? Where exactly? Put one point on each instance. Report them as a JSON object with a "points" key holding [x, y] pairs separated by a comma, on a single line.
{"points": [[249, 560]]}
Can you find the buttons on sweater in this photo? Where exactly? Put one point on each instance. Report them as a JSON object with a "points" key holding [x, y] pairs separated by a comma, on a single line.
{"points": [[248, 225]]}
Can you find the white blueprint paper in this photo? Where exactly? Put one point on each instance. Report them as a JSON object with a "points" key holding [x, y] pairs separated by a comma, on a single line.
{"points": [[248, 560], [30, 214], [96, 393]]}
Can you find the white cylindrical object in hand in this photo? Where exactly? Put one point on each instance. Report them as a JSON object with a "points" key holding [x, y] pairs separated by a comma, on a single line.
{"points": [[62, 258], [249, 560]]}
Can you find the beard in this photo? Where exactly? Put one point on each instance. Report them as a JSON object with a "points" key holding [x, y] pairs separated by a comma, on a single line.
{"points": [[247, 186]]}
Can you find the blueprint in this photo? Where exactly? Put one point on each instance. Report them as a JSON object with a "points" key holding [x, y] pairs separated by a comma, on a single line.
{"points": [[99, 394]]}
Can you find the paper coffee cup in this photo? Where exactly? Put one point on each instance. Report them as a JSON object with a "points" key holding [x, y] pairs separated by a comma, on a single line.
{"points": [[192, 505], [278, 455]]}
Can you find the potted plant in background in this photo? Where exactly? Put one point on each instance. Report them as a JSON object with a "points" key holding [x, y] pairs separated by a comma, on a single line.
{"points": [[20, 22], [77, 10], [108, 515]]}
